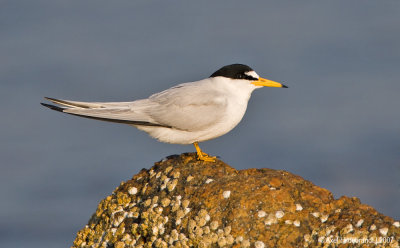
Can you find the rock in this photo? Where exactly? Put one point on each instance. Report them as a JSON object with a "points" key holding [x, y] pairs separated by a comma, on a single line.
{"points": [[182, 202]]}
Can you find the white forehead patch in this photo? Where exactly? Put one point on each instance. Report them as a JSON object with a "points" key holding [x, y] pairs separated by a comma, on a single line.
{"points": [[252, 74]]}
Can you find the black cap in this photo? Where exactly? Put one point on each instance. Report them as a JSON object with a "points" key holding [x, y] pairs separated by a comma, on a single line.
{"points": [[234, 71]]}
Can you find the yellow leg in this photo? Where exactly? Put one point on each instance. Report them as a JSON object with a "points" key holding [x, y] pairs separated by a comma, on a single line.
{"points": [[203, 156]]}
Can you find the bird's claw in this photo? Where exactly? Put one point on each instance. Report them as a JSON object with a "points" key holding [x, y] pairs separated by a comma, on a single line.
{"points": [[205, 157], [202, 155]]}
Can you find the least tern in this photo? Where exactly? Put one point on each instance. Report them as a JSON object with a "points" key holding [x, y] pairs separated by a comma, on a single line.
{"points": [[188, 113]]}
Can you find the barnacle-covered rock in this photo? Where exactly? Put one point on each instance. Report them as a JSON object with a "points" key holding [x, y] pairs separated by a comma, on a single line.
{"points": [[183, 202]]}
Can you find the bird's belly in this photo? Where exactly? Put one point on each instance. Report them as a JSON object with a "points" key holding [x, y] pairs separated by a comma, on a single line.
{"points": [[228, 121]]}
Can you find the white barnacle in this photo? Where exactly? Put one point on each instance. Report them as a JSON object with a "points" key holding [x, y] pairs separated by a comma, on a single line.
{"points": [[165, 202], [227, 230], [201, 222], [221, 241], [396, 224], [189, 178], [174, 235], [155, 230], [132, 190], [119, 219], [245, 243], [175, 206], [187, 210], [348, 228], [126, 237], [307, 238], [159, 210], [288, 222], [226, 194], [165, 183], [372, 227], [230, 240], [259, 244], [279, 214], [296, 223], [209, 180], [384, 231], [239, 239], [182, 237], [202, 212], [330, 229], [171, 185], [271, 219], [198, 232], [261, 214], [324, 218], [315, 214], [359, 223], [298, 207], [214, 225]]}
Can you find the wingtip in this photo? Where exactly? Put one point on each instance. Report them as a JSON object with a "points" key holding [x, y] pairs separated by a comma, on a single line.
{"points": [[52, 107]]}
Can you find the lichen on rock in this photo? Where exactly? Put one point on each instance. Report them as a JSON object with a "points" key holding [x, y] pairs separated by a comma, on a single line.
{"points": [[183, 202]]}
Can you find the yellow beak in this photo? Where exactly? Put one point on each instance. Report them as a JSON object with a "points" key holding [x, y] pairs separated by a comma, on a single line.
{"points": [[268, 83]]}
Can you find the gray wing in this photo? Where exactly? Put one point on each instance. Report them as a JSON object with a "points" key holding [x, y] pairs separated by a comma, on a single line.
{"points": [[189, 106]]}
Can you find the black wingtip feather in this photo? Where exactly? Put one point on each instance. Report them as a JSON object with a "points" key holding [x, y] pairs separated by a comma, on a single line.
{"points": [[52, 107]]}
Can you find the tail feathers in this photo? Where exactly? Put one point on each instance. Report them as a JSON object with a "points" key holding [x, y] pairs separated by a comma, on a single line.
{"points": [[74, 103]]}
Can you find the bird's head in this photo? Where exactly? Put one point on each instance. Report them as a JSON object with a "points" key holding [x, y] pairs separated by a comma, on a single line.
{"points": [[244, 72]]}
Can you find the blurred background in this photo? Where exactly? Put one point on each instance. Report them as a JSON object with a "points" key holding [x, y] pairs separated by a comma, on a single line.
{"points": [[337, 125]]}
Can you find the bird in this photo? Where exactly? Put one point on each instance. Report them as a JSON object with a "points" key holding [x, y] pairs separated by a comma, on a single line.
{"points": [[188, 113]]}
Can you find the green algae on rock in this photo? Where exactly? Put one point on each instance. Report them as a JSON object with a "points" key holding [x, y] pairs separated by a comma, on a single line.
{"points": [[183, 202]]}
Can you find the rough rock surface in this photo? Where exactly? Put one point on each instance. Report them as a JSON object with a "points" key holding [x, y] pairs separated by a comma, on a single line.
{"points": [[182, 202]]}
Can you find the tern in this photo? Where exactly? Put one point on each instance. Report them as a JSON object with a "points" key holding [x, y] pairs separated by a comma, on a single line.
{"points": [[187, 113]]}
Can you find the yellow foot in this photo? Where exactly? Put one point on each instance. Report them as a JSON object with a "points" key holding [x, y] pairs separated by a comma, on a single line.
{"points": [[203, 156]]}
